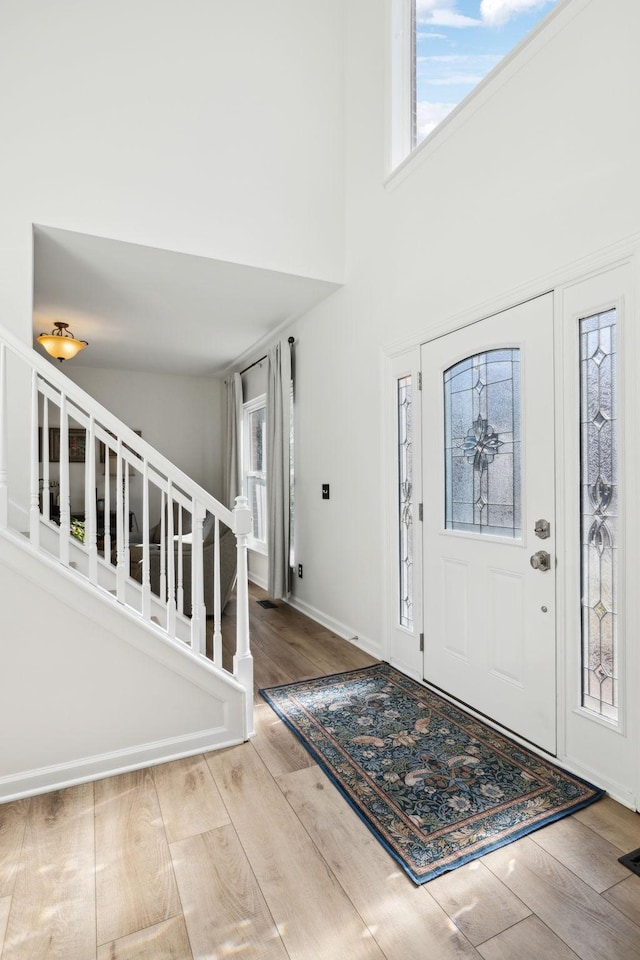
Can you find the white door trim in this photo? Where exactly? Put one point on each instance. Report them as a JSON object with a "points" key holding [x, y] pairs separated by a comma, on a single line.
{"points": [[400, 645], [624, 253], [589, 746]]}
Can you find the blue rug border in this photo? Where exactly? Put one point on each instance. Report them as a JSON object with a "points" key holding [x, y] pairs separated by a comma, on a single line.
{"points": [[465, 858]]}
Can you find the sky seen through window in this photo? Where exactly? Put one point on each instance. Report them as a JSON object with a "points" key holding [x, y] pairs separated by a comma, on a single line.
{"points": [[458, 42]]}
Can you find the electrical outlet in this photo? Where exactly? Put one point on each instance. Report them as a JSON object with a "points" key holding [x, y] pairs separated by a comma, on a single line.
{"points": [[325, 491], [300, 570]]}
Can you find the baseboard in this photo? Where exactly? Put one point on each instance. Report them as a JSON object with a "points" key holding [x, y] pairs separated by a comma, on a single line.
{"points": [[58, 777], [372, 647], [258, 580], [403, 667], [614, 789]]}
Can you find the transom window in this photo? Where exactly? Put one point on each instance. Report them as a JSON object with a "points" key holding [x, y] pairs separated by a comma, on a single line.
{"points": [[452, 46]]}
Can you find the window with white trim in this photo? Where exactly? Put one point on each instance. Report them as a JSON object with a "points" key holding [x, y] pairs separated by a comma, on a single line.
{"points": [[405, 501], [442, 49], [254, 467]]}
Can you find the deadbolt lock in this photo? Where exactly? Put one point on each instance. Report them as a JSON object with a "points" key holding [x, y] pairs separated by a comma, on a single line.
{"points": [[541, 561], [542, 529]]}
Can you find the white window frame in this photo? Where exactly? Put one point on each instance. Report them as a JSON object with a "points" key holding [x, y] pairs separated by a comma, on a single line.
{"points": [[402, 153], [248, 408], [401, 645], [401, 139]]}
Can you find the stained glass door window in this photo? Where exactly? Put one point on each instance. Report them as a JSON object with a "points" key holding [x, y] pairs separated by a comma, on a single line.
{"points": [[482, 444], [599, 513], [405, 501]]}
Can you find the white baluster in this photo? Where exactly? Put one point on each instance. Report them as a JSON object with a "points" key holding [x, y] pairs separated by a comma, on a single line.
{"points": [[146, 580], [217, 613], [90, 505], [34, 505], [65, 503], [107, 504], [163, 549], [125, 519], [46, 478], [198, 613], [242, 660], [121, 572], [171, 577], [180, 566]]}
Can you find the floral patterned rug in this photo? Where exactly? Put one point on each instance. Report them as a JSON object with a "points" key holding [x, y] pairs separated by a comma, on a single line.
{"points": [[436, 786]]}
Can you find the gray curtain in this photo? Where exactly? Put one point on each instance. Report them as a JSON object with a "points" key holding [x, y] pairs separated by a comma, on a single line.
{"points": [[278, 468], [232, 480]]}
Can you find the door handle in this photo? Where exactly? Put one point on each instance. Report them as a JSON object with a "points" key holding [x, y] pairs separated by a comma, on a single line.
{"points": [[540, 561]]}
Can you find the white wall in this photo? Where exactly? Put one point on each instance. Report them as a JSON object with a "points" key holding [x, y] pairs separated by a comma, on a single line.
{"points": [[204, 126], [541, 173], [96, 691], [180, 416]]}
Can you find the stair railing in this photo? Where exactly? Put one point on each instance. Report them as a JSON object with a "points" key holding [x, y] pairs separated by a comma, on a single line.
{"points": [[174, 580]]}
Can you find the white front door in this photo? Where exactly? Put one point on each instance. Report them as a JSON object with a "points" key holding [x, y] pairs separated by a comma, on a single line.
{"points": [[488, 478]]}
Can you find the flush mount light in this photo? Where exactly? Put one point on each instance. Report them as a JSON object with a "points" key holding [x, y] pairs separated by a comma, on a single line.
{"points": [[61, 343]]}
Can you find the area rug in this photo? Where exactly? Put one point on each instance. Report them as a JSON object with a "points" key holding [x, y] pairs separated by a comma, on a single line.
{"points": [[437, 787]]}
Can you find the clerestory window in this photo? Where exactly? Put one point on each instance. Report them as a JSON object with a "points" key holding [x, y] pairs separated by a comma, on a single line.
{"points": [[442, 50]]}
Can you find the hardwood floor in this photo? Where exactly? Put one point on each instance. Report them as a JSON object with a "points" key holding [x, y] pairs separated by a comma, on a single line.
{"points": [[251, 853]]}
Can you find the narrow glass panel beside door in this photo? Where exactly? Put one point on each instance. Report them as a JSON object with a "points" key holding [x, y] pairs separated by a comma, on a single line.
{"points": [[482, 444], [599, 513], [405, 502]]}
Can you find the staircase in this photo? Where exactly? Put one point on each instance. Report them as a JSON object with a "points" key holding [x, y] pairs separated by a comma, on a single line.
{"points": [[103, 627]]}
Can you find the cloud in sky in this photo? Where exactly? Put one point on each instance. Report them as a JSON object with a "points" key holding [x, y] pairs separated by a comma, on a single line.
{"points": [[429, 116], [493, 13], [498, 12], [457, 80], [465, 58], [443, 13]]}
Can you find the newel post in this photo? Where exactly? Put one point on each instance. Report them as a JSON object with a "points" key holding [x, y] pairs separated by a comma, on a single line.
{"points": [[243, 661]]}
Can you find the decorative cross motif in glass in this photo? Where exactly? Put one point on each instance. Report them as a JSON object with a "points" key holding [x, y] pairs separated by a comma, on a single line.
{"points": [[482, 444], [599, 510], [405, 490]]}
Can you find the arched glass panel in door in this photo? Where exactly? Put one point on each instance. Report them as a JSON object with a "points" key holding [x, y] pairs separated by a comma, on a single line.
{"points": [[482, 413]]}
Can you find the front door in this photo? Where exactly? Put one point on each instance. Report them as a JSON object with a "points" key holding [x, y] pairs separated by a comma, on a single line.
{"points": [[488, 492]]}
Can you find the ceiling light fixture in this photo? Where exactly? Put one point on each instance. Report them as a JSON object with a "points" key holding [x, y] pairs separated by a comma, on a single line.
{"points": [[60, 344]]}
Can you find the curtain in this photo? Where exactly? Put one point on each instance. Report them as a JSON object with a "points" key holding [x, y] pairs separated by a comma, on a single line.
{"points": [[232, 479], [278, 468]]}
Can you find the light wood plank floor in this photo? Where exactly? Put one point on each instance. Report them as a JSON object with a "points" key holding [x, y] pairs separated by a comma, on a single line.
{"points": [[251, 853]]}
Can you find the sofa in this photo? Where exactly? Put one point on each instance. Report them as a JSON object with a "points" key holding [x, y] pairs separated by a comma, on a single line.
{"points": [[228, 563]]}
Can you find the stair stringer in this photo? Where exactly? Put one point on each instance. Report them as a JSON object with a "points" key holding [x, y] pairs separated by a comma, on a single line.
{"points": [[88, 689]]}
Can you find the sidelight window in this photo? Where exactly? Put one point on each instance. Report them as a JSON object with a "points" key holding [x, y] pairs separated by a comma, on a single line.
{"points": [[405, 502], [599, 513]]}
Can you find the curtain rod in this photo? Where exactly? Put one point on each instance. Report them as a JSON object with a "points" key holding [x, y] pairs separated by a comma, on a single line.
{"points": [[260, 359]]}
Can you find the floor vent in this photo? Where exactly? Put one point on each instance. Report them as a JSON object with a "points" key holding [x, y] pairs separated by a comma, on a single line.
{"points": [[267, 604], [632, 860]]}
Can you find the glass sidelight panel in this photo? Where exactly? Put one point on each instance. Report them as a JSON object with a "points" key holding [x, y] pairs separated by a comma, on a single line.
{"points": [[405, 507], [482, 444], [599, 513]]}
